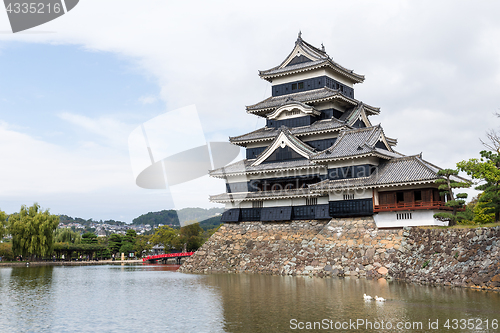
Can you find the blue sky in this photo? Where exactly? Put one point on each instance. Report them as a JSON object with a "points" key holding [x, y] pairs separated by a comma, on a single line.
{"points": [[45, 81], [73, 89]]}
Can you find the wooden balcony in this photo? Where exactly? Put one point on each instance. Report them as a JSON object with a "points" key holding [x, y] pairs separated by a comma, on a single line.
{"points": [[411, 206]]}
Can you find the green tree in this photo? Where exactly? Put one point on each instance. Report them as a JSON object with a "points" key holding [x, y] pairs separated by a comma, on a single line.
{"points": [[142, 245], [165, 236], [66, 235], [447, 183], [487, 171], [32, 231], [130, 236], [3, 223], [6, 251], [89, 238], [190, 236], [114, 243], [128, 241]]}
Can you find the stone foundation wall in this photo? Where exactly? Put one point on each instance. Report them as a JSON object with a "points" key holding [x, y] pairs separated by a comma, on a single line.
{"points": [[351, 246], [354, 247], [454, 257]]}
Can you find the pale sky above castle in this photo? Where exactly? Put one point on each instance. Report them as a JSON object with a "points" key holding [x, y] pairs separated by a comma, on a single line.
{"points": [[73, 89]]}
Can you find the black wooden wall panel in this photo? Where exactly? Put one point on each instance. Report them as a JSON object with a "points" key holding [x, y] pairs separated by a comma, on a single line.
{"points": [[250, 214], [276, 214], [231, 215], [254, 152], [310, 84], [356, 207], [322, 212]]}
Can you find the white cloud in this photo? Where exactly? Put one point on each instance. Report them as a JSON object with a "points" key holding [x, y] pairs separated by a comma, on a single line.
{"points": [[433, 67], [113, 131]]}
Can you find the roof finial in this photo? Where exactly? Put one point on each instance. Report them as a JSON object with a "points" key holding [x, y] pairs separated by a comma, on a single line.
{"points": [[300, 34], [322, 47]]}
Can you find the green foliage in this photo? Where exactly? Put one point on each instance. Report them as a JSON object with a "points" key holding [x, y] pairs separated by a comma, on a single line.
{"points": [[3, 223], [6, 251], [170, 217], [127, 248], [165, 236], [89, 238], [480, 213], [486, 170], [142, 245], [425, 264], [114, 243], [446, 186], [32, 231], [211, 223], [165, 217], [66, 235], [191, 235], [128, 242]]}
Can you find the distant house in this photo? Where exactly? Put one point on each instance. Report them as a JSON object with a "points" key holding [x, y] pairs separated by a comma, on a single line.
{"points": [[158, 249]]}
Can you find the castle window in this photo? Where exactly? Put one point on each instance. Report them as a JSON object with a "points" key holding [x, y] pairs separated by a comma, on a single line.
{"points": [[294, 86], [257, 204], [418, 195], [403, 216], [349, 196], [311, 201], [301, 85]]}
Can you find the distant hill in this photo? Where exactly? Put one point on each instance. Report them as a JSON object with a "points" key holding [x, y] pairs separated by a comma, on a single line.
{"points": [[68, 219], [165, 217], [169, 217], [211, 222]]}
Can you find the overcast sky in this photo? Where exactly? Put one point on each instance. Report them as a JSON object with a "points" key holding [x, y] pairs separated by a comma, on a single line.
{"points": [[72, 90]]}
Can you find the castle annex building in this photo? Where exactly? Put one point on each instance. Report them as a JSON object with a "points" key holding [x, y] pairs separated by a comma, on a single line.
{"points": [[320, 157]]}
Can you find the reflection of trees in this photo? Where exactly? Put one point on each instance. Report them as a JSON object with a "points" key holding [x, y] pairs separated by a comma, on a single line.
{"points": [[31, 278], [28, 295]]}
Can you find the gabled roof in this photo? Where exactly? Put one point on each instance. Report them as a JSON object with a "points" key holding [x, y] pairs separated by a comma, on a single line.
{"points": [[399, 171], [310, 96], [285, 138], [266, 133], [291, 104], [305, 57], [359, 112], [262, 195], [245, 167], [357, 143]]}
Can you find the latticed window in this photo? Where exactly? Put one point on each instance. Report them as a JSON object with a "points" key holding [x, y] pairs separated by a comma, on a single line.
{"points": [[311, 201], [349, 196], [257, 204]]}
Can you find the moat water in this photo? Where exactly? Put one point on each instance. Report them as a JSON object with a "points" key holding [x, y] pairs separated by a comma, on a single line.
{"points": [[156, 298]]}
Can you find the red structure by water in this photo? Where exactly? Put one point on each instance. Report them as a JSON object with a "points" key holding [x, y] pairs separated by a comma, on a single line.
{"points": [[168, 255]]}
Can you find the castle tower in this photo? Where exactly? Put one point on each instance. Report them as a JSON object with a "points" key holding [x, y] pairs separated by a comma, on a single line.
{"points": [[319, 156]]}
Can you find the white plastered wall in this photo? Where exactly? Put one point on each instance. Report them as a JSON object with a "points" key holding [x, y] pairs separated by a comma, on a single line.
{"points": [[418, 218], [358, 194]]}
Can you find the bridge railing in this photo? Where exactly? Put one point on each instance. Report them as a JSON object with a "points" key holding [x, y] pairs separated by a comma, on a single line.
{"points": [[168, 255]]}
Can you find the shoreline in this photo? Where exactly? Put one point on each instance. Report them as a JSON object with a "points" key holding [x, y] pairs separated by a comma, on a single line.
{"points": [[68, 263]]}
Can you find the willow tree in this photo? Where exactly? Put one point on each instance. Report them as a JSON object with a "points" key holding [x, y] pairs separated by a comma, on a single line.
{"points": [[32, 231], [3, 223]]}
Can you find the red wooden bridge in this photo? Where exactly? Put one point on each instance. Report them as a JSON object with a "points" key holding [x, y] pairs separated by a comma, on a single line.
{"points": [[164, 257]]}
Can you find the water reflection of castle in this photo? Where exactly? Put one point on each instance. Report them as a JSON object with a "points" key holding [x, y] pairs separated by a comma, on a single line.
{"points": [[320, 157]]}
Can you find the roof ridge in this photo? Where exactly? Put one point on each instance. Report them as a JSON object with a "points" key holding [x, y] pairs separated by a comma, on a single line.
{"points": [[254, 131]]}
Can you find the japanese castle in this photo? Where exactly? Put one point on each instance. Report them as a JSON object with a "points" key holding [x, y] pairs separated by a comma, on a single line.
{"points": [[320, 157]]}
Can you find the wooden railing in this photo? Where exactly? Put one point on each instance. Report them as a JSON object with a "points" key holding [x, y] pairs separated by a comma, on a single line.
{"points": [[411, 206]]}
